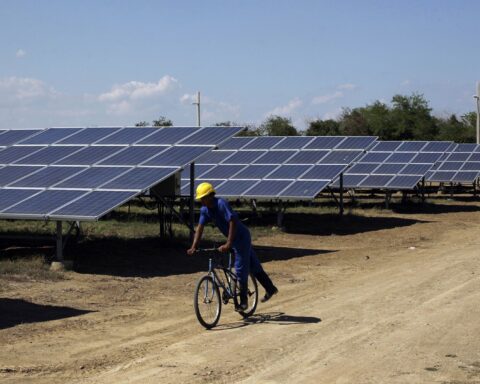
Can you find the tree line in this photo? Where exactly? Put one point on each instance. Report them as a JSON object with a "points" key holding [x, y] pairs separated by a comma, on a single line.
{"points": [[405, 118]]}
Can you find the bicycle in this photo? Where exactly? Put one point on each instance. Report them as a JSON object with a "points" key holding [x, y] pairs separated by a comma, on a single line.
{"points": [[208, 301]]}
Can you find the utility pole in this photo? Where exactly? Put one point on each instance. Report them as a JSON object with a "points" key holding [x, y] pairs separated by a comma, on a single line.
{"points": [[197, 103], [477, 97]]}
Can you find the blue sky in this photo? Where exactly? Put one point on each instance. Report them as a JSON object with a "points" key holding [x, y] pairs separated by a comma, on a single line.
{"points": [[92, 63]]}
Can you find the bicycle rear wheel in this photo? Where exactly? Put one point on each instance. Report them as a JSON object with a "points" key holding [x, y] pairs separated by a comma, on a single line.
{"points": [[207, 303], [252, 297]]}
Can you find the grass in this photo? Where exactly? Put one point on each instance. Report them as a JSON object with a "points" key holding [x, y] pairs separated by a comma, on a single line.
{"points": [[29, 268]]}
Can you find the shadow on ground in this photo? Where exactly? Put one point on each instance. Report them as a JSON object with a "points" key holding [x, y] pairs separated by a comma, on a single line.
{"points": [[16, 311], [278, 318]]}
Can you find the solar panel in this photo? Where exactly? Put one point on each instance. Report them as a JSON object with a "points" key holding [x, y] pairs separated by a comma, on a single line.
{"points": [[403, 182], [9, 197], [236, 142], [307, 157], [211, 136], [289, 172], [234, 188], [340, 157], [386, 146], [92, 177], [376, 181], [294, 142], [265, 142], [357, 142], [411, 146], [200, 169], [253, 172], [88, 136], [460, 164], [268, 188], [70, 158], [49, 136], [325, 142], [275, 157], [323, 172], [363, 168], [92, 205], [304, 189], [374, 157], [214, 157], [416, 169], [222, 171], [47, 177], [244, 157], [15, 135], [387, 169]]}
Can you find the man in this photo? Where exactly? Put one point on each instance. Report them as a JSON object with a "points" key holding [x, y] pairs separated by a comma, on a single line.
{"points": [[218, 211]]}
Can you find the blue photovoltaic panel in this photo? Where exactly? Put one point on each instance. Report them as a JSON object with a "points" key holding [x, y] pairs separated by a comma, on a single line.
{"points": [[474, 157], [50, 136], [244, 157], [177, 156], [471, 166], [11, 154], [140, 178], [200, 169], [363, 168], [340, 157], [128, 136], [465, 176], [48, 155], [443, 176], [43, 203], [254, 172], [350, 181], [8, 197], [450, 166], [307, 157], [357, 142], [388, 169], [214, 157], [47, 177], [289, 172], [323, 172], [211, 136], [428, 158], [168, 136], [12, 173], [403, 158], [89, 155], [234, 188], [466, 147], [268, 188], [294, 142], [437, 146], [92, 177], [88, 136], [386, 146], [93, 205], [222, 171], [411, 146], [376, 181], [275, 157], [134, 155], [15, 135], [236, 142], [458, 156], [404, 182], [265, 142], [325, 142], [375, 157], [305, 189], [415, 169]]}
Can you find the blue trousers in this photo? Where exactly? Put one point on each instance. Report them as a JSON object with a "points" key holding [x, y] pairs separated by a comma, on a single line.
{"points": [[246, 261]]}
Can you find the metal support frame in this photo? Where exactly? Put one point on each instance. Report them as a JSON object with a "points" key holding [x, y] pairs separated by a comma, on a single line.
{"points": [[192, 201], [178, 215], [280, 213], [422, 189], [338, 202], [61, 241], [59, 254], [341, 195], [388, 199]]}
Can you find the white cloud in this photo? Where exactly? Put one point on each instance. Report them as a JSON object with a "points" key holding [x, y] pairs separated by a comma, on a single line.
{"points": [[406, 83], [332, 115], [322, 99], [20, 53], [24, 89], [134, 90], [286, 109], [347, 86], [212, 110]]}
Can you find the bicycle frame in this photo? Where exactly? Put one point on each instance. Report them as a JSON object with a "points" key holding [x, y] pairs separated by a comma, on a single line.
{"points": [[230, 277]]}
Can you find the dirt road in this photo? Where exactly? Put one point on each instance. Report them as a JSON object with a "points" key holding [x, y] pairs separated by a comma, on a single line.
{"points": [[398, 303]]}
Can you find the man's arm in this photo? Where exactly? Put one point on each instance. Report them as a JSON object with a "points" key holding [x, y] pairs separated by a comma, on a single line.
{"points": [[232, 230], [196, 239]]}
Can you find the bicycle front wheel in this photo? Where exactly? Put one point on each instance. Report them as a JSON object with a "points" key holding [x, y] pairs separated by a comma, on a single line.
{"points": [[207, 303]]}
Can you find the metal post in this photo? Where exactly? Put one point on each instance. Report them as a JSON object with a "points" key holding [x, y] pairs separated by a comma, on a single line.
{"points": [[423, 189], [341, 194], [197, 103], [192, 201], [59, 242]]}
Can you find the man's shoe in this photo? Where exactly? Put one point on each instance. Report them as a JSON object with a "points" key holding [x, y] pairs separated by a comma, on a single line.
{"points": [[241, 307], [268, 295]]}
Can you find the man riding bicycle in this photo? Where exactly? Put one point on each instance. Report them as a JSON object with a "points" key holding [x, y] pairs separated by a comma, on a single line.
{"points": [[218, 211]]}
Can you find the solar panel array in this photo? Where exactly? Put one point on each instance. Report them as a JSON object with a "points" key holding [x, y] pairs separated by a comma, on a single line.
{"points": [[83, 173], [461, 164], [277, 166], [398, 165]]}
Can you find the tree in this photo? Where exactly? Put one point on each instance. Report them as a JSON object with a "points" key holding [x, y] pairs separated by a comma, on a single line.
{"points": [[461, 130], [162, 121], [354, 123], [225, 124], [278, 126], [323, 128], [142, 124]]}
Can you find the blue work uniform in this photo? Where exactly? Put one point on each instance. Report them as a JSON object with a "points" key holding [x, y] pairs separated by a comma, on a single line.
{"points": [[246, 260]]}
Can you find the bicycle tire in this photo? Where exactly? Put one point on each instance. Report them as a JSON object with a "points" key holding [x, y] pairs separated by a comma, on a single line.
{"points": [[206, 286], [252, 297]]}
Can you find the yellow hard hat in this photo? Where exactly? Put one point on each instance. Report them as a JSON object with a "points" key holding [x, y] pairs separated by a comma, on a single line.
{"points": [[204, 189]]}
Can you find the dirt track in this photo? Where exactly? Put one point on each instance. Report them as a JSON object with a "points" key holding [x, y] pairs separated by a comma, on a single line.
{"points": [[364, 307]]}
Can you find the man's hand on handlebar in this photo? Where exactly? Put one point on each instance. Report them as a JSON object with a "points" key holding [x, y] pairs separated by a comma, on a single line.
{"points": [[191, 251], [224, 248]]}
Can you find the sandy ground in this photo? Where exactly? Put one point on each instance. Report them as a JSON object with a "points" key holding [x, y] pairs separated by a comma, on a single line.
{"points": [[398, 303]]}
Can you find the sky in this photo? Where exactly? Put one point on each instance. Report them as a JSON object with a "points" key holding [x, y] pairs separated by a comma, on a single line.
{"points": [[110, 63]]}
